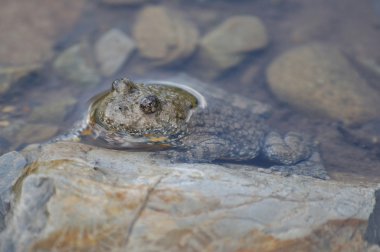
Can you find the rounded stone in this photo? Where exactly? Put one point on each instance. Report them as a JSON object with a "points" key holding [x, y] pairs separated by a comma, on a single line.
{"points": [[112, 50], [163, 35], [227, 45], [318, 78]]}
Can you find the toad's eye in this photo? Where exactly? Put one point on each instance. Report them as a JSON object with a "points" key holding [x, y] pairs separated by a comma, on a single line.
{"points": [[150, 104]]}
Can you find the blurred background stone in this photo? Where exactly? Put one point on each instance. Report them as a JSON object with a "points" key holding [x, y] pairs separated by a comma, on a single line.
{"points": [[113, 49], [318, 78], [76, 65], [163, 35], [29, 33], [229, 43]]}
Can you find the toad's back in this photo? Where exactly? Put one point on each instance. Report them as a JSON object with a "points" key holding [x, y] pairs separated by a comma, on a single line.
{"points": [[239, 130]]}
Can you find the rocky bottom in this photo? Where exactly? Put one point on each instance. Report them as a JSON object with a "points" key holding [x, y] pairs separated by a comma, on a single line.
{"points": [[74, 197]]}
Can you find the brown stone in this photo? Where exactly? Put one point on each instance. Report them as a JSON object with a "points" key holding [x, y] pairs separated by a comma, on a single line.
{"points": [[318, 78], [228, 44], [163, 35]]}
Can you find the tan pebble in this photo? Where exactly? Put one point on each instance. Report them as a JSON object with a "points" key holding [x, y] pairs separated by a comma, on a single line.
{"points": [[8, 109], [4, 123]]}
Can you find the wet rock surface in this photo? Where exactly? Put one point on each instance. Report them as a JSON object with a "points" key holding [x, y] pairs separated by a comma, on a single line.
{"points": [[227, 45], [319, 78], [11, 166], [163, 35], [112, 50], [140, 204]]}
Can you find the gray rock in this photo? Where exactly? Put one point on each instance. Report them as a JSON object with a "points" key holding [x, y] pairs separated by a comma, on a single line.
{"points": [[77, 66], [163, 35], [318, 78], [112, 50], [11, 166], [31, 215], [227, 45], [78, 197], [372, 234]]}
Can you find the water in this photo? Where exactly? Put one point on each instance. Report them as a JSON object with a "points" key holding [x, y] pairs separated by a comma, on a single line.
{"points": [[43, 93]]}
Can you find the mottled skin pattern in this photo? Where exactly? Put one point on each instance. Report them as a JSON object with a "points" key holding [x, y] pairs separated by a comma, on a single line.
{"points": [[224, 132], [218, 131]]}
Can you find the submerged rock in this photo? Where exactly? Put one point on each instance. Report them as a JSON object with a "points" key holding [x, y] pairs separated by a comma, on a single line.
{"points": [[78, 197], [319, 78], [163, 36], [112, 50], [76, 65], [228, 44]]}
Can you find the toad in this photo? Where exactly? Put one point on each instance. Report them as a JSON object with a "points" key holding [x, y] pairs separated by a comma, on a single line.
{"points": [[180, 123]]}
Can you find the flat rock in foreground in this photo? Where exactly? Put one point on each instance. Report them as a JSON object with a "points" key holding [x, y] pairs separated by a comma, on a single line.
{"points": [[76, 197]]}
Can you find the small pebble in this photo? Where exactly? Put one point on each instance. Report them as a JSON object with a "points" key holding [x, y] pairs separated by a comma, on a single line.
{"points": [[9, 109], [4, 123], [163, 36]]}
